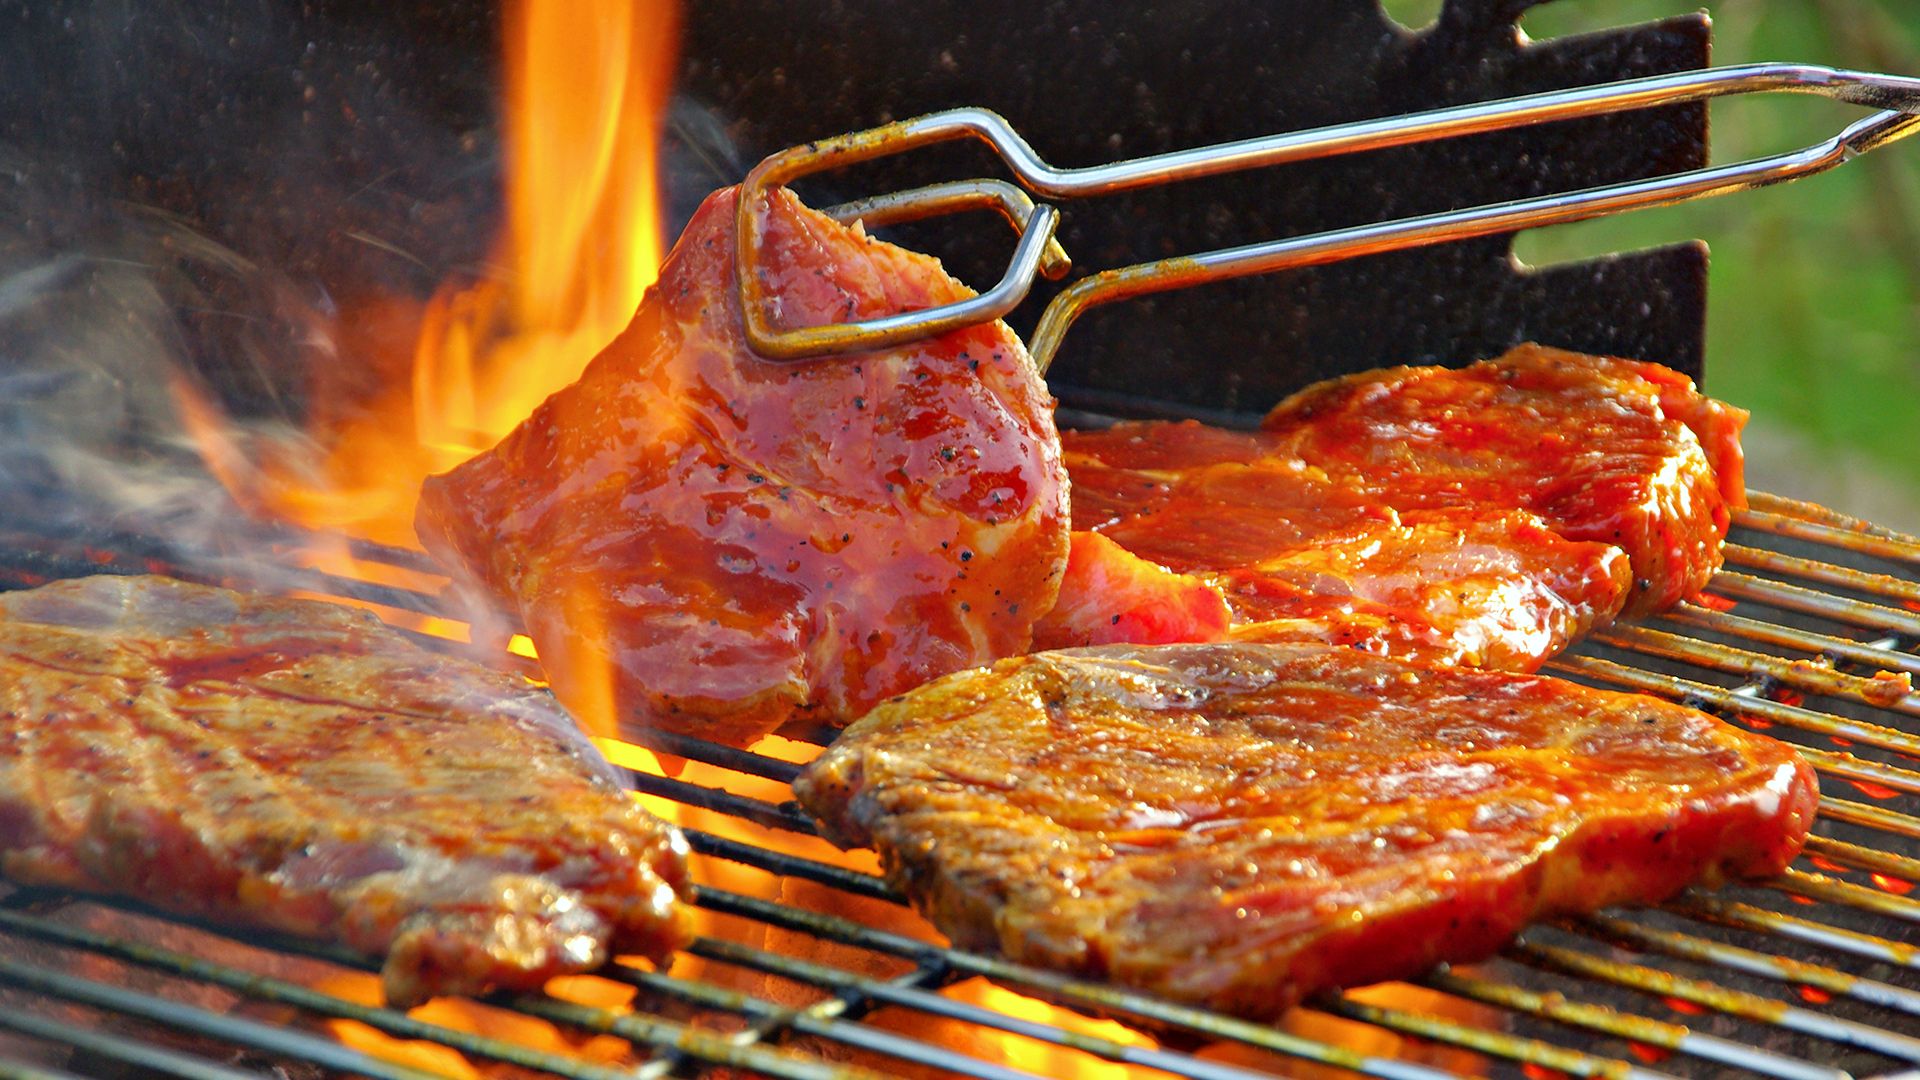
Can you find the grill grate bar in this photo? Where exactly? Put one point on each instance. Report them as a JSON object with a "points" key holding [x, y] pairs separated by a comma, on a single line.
{"points": [[1748, 917], [1884, 820], [265, 988], [1866, 858], [850, 881], [1883, 547], [1778, 594], [699, 1045], [1754, 1007], [1778, 968], [808, 1022], [1492, 1043], [1699, 694], [949, 1009], [1097, 997], [1879, 654], [1833, 891], [266, 1038], [1640, 1029], [145, 1056], [709, 753], [1847, 530], [1848, 767], [681, 1039], [1886, 692], [758, 811], [1872, 817], [1820, 573]]}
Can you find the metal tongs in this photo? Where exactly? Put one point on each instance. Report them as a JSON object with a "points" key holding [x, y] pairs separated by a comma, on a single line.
{"points": [[1037, 251]]}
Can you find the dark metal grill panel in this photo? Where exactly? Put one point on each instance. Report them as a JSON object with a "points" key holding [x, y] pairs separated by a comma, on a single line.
{"points": [[1813, 975]]}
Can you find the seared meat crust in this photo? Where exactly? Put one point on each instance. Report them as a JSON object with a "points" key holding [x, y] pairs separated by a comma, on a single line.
{"points": [[1617, 451], [1239, 825], [707, 542], [1488, 516], [1295, 556], [296, 765]]}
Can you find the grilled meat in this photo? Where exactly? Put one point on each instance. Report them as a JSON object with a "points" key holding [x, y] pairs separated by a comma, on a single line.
{"points": [[704, 541], [297, 766], [1294, 556], [1488, 516], [1240, 825], [1616, 451]]}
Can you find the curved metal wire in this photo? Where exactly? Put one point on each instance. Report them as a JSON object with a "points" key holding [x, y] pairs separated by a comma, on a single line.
{"points": [[1898, 96]]}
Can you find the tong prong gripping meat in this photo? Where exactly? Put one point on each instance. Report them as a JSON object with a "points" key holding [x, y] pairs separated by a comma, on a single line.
{"points": [[1897, 99]]}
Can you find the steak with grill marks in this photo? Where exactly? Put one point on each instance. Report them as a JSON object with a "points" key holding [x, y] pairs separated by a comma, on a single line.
{"points": [[1241, 825], [298, 766], [704, 541]]}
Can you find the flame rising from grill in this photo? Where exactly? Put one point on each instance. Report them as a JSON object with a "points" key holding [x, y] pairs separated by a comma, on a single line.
{"points": [[587, 87], [587, 84]]}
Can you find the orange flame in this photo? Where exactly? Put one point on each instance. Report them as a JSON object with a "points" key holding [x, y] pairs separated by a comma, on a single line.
{"points": [[587, 87], [587, 83]]}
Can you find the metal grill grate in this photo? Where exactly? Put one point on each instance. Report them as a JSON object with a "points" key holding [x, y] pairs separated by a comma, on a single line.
{"points": [[808, 969]]}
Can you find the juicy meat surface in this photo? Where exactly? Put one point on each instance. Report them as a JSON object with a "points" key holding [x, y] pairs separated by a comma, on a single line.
{"points": [[296, 765], [1617, 451], [1292, 555], [707, 542], [1487, 516], [1239, 826]]}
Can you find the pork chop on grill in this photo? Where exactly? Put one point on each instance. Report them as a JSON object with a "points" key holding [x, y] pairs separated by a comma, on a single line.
{"points": [[298, 766], [1488, 516], [1621, 452], [1239, 826], [704, 541], [1270, 549]]}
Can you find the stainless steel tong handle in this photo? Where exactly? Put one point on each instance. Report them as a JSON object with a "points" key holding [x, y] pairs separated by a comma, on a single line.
{"points": [[1898, 98]]}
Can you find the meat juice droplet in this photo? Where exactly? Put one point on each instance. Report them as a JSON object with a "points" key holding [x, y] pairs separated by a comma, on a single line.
{"points": [[1874, 791], [1813, 995], [1894, 885]]}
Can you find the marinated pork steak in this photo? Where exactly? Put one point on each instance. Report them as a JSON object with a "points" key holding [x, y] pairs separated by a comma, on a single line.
{"points": [[1617, 451], [296, 765], [707, 542], [1488, 516], [1272, 550], [1239, 826]]}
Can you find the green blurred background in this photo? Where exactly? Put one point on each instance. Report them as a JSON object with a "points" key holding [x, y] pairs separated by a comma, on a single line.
{"points": [[1814, 301]]}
